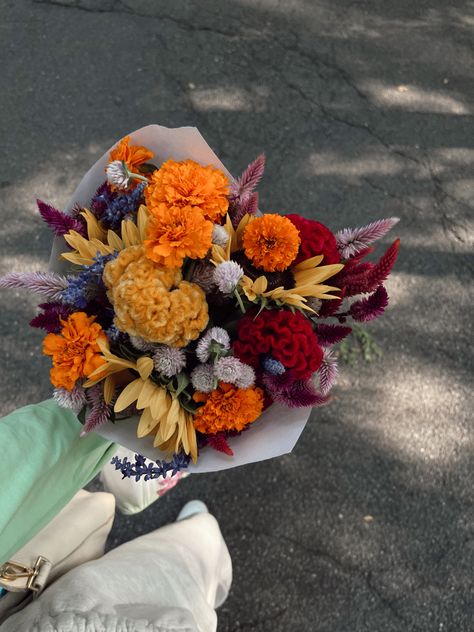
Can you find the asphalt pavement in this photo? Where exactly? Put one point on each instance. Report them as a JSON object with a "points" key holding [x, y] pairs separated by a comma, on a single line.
{"points": [[364, 110]]}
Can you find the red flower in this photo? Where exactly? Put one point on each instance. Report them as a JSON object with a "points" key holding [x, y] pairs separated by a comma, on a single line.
{"points": [[316, 239], [285, 336]]}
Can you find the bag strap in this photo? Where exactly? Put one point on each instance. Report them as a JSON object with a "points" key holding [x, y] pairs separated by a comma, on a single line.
{"points": [[16, 577]]}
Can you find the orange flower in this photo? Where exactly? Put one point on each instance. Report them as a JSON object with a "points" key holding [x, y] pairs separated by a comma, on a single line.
{"points": [[228, 408], [271, 242], [174, 233], [75, 351], [188, 183], [132, 155]]}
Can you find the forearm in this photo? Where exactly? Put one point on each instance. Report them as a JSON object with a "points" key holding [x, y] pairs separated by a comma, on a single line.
{"points": [[44, 463]]}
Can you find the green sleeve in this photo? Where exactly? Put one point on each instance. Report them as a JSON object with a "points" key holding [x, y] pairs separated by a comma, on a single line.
{"points": [[44, 462]]}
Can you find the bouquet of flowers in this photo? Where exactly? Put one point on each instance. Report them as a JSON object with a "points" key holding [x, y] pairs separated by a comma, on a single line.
{"points": [[184, 322]]}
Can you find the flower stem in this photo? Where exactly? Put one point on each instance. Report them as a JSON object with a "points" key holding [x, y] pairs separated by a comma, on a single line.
{"points": [[239, 300]]}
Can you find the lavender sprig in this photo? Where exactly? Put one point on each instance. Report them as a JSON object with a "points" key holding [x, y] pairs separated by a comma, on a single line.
{"points": [[47, 284], [151, 470], [350, 241]]}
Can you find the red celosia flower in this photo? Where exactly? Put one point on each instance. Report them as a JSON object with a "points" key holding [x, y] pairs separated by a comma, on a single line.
{"points": [[285, 336], [316, 239]]}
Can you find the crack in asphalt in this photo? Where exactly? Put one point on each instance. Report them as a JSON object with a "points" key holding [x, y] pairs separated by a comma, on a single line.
{"points": [[119, 7]]}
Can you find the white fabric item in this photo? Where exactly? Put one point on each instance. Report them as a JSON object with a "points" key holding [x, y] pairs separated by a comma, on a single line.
{"points": [[170, 580], [133, 496]]}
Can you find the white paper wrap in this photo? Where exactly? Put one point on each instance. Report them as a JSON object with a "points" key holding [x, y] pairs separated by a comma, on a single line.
{"points": [[278, 429]]}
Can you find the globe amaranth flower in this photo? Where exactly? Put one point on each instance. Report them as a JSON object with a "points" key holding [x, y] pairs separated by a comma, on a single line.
{"points": [[214, 335], [189, 184], [152, 302], [220, 236], [168, 360], [203, 378], [131, 157], [74, 399], [233, 371], [227, 275], [287, 337], [271, 242]]}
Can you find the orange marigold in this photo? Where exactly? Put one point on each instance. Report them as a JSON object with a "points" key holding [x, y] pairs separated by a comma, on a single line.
{"points": [[174, 233], [271, 242], [153, 302], [188, 183], [228, 408], [132, 155], [74, 350]]}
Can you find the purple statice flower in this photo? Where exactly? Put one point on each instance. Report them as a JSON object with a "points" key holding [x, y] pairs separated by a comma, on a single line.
{"points": [[220, 236], [102, 197], [214, 338], [169, 361], [287, 391], [59, 222], [233, 371], [75, 399], [371, 307], [114, 334], [152, 470], [350, 241], [51, 316], [142, 345], [227, 276], [47, 284], [203, 378], [99, 412], [84, 287], [328, 371], [272, 366], [122, 205]]}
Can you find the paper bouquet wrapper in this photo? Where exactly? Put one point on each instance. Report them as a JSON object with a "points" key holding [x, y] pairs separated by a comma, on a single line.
{"points": [[277, 430]]}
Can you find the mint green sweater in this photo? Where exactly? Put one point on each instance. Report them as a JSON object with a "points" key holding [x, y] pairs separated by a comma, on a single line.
{"points": [[43, 462]]}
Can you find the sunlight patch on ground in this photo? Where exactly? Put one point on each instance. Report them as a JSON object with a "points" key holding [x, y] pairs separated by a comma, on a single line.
{"points": [[413, 98]]}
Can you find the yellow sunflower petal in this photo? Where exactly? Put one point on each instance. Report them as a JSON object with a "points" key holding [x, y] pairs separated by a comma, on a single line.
{"points": [[312, 262], [129, 395], [146, 424], [146, 394], [114, 240], [142, 221], [145, 367], [109, 388], [260, 285], [94, 229]]}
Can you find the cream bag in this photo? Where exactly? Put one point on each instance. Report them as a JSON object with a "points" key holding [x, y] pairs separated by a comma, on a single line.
{"points": [[76, 535]]}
